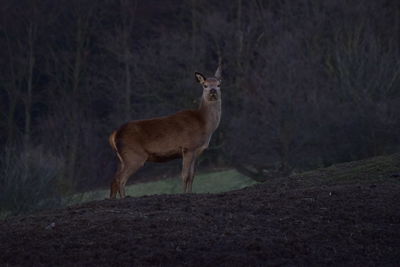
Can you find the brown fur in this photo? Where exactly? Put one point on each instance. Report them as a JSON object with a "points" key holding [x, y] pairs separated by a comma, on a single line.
{"points": [[182, 135]]}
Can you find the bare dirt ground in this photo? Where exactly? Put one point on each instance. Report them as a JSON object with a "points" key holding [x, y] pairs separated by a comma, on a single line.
{"points": [[290, 221]]}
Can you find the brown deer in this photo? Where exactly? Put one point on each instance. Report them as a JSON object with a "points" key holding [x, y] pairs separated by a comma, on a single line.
{"points": [[185, 134]]}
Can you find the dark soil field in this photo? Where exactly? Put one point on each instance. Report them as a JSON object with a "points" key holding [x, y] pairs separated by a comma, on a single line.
{"points": [[348, 214]]}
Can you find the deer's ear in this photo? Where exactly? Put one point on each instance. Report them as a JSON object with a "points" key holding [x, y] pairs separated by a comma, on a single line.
{"points": [[200, 77], [218, 73]]}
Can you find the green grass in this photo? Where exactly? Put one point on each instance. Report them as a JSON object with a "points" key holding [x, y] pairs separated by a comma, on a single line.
{"points": [[214, 182]]}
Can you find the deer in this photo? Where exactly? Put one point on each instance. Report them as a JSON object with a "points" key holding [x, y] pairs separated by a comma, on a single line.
{"points": [[185, 134]]}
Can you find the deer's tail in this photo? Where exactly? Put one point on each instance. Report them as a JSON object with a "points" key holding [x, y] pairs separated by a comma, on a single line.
{"points": [[113, 144], [111, 139]]}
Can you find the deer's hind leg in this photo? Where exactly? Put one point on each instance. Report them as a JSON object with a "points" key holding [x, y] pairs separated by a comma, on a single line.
{"points": [[115, 182], [130, 163]]}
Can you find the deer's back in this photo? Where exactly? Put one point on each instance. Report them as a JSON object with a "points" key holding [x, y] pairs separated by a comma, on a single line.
{"points": [[163, 138]]}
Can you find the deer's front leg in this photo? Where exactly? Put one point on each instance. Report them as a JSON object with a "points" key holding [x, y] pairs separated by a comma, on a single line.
{"points": [[192, 169], [188, 158]]}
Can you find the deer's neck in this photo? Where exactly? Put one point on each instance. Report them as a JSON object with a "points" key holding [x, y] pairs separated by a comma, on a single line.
{"points": [[211, 113]]}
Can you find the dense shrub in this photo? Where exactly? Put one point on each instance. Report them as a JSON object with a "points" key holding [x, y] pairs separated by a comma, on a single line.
{"points": [[29, 181]]}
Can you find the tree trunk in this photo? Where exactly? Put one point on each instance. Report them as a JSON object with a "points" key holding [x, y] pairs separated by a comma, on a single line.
{"points": [[128, 94], [29, 87], [194, 25]]}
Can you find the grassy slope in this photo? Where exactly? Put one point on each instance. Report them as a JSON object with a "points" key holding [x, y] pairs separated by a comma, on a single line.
{"points": [[215, 182], [373, 170]]}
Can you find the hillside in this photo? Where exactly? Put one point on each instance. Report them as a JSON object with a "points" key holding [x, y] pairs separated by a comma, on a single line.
{"points": [[346, 214]]}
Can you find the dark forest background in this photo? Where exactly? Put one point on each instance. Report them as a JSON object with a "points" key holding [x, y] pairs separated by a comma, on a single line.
{"points": [[305, 84]]}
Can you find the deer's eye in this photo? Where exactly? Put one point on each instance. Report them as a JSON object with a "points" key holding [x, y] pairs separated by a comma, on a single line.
{"points": [[205, 86]]}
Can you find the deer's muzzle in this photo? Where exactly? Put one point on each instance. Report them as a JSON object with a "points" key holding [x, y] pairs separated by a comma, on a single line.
{"points": [[212, 95]]}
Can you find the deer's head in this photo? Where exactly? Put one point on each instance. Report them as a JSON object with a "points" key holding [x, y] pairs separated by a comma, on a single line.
{"points": [[211, 85]]}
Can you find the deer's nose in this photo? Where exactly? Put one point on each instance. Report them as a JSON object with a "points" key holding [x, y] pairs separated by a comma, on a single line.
{"points": [[213, 91]]}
